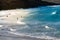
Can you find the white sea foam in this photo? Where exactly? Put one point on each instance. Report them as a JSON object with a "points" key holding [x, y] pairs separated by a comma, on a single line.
{"points": [[54, 6], [41, 37], [53, 12], [19, 22], [1, 25], [47, 27], [22, 12], [10, 16], [12, 29]]}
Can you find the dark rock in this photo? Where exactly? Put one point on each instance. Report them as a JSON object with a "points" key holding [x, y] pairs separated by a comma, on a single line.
{"points": [[13, 4]]}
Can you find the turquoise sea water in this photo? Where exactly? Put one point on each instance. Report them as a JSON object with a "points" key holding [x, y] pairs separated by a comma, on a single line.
{"points": [[41, 22], [43, 16]]}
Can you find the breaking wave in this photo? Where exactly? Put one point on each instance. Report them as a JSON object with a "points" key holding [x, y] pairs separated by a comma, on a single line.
{"points": [[42, 23]]}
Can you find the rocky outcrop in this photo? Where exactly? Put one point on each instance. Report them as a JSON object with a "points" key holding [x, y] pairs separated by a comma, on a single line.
{"points": [[55, 1], [13, 4]]}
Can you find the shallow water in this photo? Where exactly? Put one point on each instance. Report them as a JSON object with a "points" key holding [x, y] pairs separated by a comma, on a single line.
{"points": [[41, 23]]}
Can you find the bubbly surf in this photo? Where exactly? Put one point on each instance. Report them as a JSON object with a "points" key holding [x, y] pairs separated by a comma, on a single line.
{"points": [[42, 22]]}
